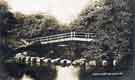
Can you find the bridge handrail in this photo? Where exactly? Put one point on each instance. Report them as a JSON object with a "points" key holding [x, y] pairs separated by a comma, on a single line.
{"points": [[55, 38], [49, 36], [57, 35], [52, 37], [65, 35]]}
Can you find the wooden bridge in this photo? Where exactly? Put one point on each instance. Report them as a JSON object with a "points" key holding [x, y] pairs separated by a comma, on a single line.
{"points": [[64, 37]]}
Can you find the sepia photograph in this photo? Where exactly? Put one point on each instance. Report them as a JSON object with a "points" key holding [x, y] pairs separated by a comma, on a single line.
{"points": [[67, 39]]}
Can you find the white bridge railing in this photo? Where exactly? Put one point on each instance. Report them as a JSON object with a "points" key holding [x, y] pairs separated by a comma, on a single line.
{"points": [[70, 35]]}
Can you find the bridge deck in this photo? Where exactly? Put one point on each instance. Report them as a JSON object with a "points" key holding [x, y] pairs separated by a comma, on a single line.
{"points": [[71, 36], [75, 36], [67, 39]]}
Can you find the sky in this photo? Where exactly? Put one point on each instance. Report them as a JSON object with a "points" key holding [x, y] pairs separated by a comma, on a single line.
{"points": [[64, 11]]}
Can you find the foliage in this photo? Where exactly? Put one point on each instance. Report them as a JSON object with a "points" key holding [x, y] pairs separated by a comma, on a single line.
{"points": [[109, 19]]}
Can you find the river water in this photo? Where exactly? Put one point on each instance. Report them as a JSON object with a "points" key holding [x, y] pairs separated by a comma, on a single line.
{"points": [[34, 72], [39, 72], [26, 77], [67, 73], [63, 73]]}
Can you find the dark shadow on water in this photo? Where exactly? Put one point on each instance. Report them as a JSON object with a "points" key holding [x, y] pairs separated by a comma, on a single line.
{"points": [[36, 72]]}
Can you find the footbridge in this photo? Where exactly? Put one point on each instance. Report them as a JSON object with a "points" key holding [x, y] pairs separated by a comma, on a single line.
{"points": [[63, 37]]}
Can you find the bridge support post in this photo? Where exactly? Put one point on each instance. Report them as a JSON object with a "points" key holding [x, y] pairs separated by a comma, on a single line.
{"points": [[88, 35]]}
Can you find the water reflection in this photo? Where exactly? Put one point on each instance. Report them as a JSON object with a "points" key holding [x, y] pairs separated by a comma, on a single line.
{"points": [[41, 71], [67, 73], [26, 77], [63, 73], [30, 71]]}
